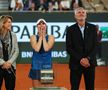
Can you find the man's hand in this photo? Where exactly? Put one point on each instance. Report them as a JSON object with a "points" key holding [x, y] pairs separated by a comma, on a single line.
{"points": [[85, 62]]}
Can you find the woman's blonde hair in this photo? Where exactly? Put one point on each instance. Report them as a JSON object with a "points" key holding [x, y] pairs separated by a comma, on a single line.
{"points": [[3, 19]]}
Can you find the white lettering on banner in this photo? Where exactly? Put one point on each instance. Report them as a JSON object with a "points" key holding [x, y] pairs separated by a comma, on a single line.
{"points": [[59, 54], [26, 54], [24, 30], [55, 54]]}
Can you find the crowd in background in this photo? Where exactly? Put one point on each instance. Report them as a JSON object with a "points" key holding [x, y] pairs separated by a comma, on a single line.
{"points": [[44, 5], [53, 5]]}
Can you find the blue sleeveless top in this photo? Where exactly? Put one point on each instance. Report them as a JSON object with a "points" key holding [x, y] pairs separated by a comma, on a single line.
{"points": [[41, 59]]}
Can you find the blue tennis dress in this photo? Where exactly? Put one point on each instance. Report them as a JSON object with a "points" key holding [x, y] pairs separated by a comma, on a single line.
{"points": [[40, 60]]}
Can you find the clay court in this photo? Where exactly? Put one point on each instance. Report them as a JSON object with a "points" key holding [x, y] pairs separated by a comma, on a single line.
{"points": [[61, 77]]}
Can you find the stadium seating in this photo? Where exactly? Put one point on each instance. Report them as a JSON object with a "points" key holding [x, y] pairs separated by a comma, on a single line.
{"points": [[96, 5], [105, 3], [93, 6], [4, 4]]}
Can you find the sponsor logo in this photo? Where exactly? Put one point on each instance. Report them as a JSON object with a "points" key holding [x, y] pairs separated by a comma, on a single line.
{"points": [[24, 30], [55, 54]]}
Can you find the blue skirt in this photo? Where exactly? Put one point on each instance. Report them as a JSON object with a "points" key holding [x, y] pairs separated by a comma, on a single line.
{"points": [[34, 74]]}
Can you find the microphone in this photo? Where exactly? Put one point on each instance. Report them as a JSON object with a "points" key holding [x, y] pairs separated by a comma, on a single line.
{"points": [[9, 71]]}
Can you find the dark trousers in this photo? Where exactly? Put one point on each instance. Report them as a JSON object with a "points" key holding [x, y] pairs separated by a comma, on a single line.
{"points": [[99, 50], [9, 79], [89, 76]]}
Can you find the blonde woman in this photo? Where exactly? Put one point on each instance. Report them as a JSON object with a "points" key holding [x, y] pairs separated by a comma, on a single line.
{"points": [[42, 45], [8, 53]]}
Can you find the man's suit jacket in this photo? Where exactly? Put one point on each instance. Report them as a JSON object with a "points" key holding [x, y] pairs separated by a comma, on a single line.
{"points": [[79, 47]]}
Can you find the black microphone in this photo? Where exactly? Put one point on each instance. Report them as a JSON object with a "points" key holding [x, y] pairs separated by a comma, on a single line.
{"points": [[9, 71]]}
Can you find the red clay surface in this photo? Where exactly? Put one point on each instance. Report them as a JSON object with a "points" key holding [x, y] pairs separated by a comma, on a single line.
{"points": [[23, 82]]}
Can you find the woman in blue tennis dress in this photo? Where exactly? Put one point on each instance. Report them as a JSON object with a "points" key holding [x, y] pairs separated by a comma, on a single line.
{"points": [[42, 45]]}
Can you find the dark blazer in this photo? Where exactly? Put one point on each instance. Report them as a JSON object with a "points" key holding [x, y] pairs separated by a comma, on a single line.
{"points": [[78, 47]]}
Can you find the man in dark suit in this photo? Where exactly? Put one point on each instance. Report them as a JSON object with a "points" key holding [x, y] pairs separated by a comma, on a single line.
{"points": [[81, 41]]}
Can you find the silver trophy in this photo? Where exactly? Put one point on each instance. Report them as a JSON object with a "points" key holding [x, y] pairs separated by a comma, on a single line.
{"points": [[47, 76]]}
